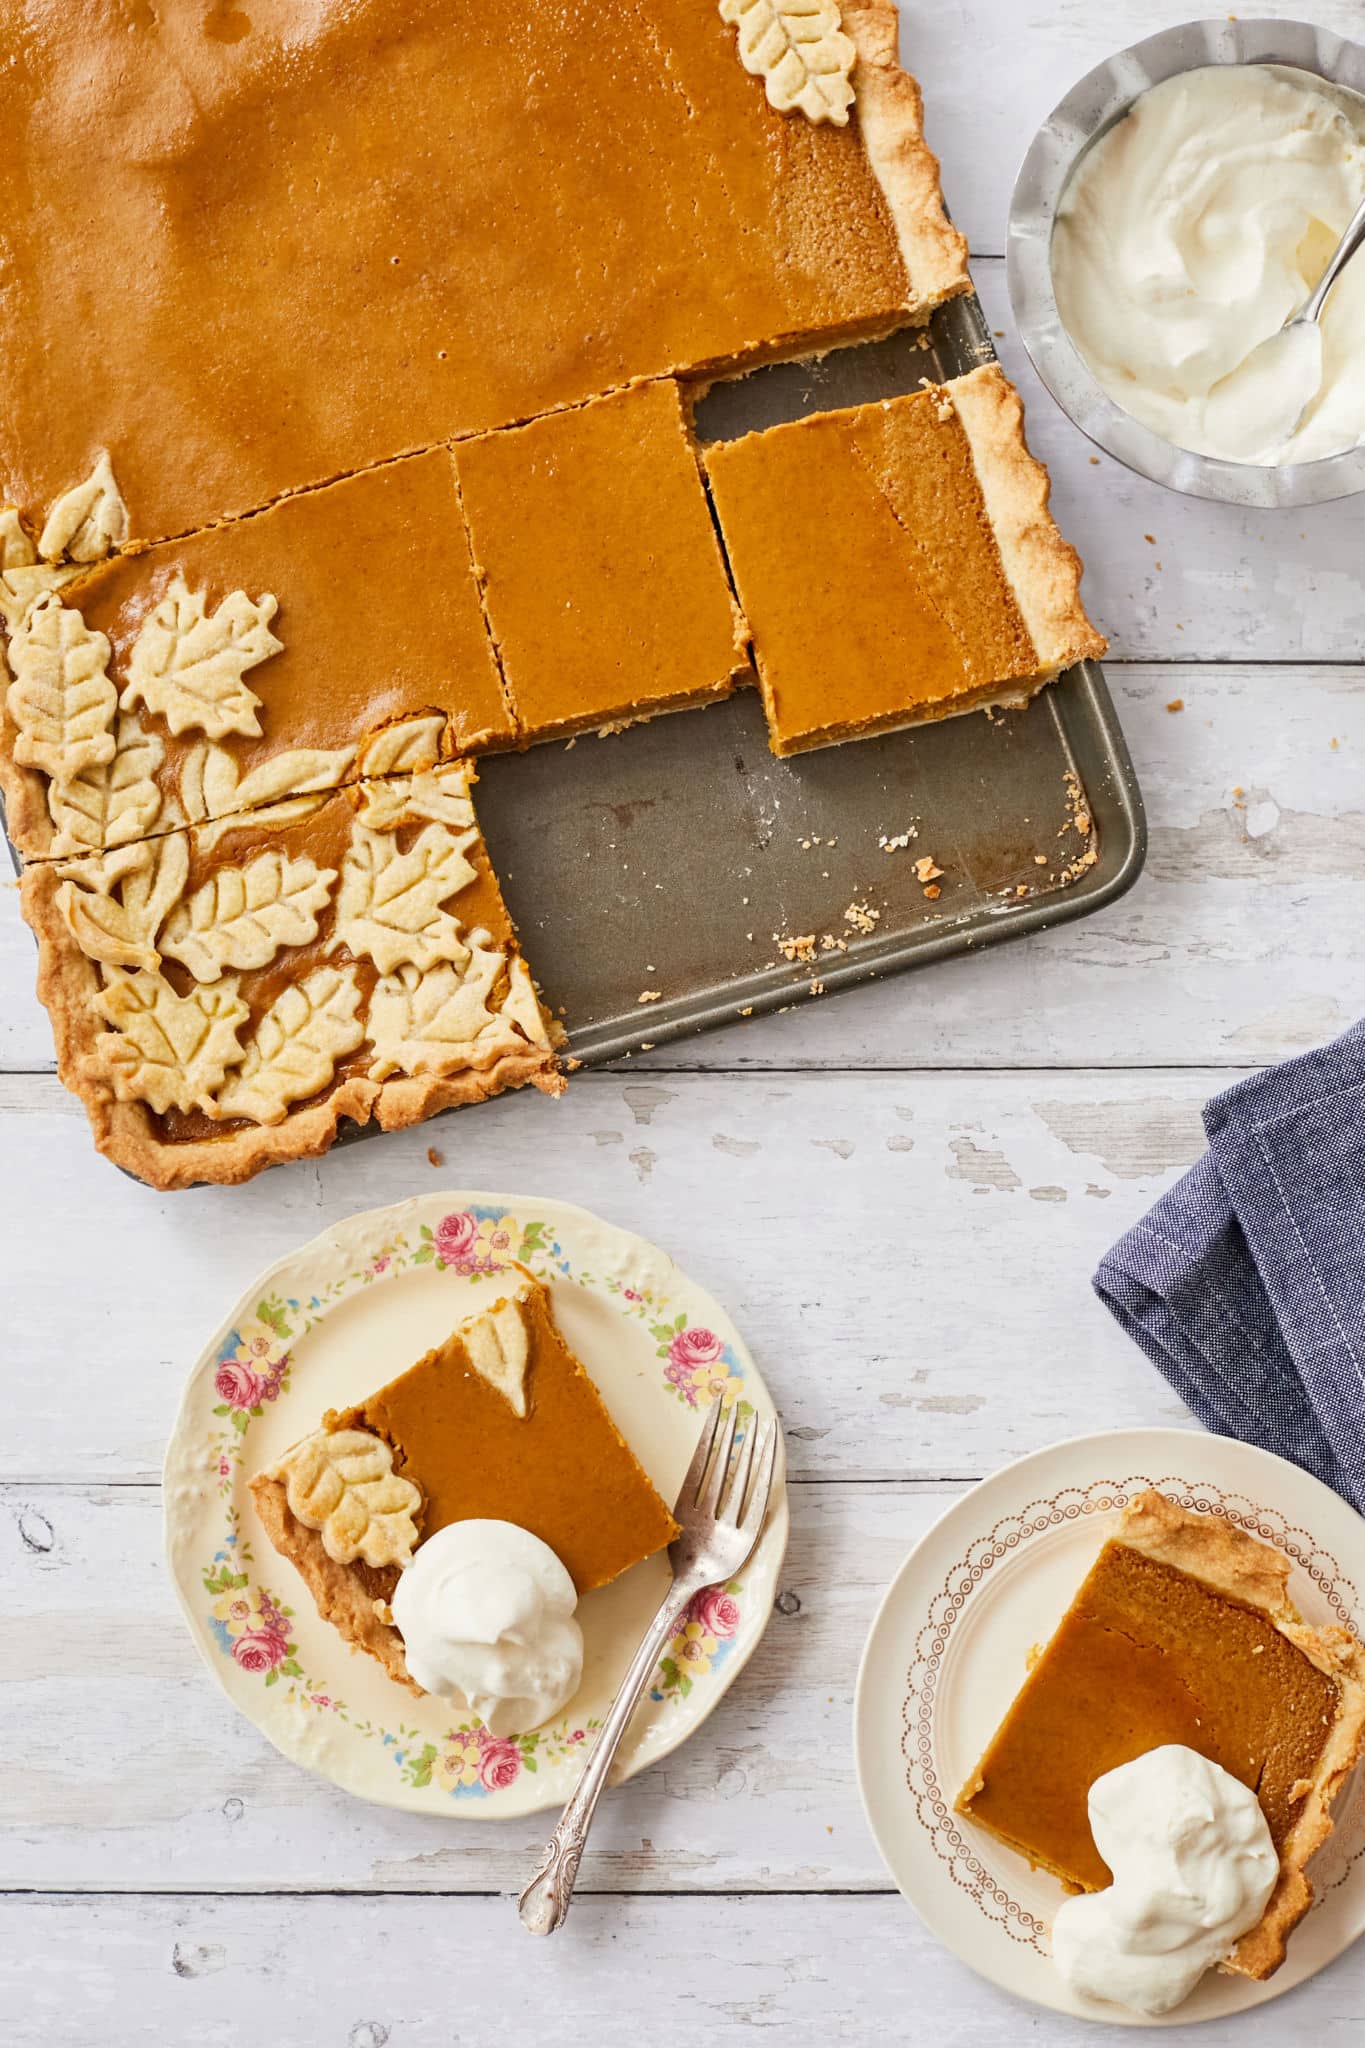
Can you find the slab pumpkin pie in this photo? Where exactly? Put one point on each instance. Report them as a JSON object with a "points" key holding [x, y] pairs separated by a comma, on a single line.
{"points": [[601, 574], [222, 998], [338, 634], [1183, 1632], [500, 1422], [897, 562], [250, 250]]}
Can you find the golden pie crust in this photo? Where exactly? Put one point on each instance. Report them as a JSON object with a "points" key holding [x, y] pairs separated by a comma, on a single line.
{"points": [[556, 1465], [897, 562], [1183, 1631], [223, 998], [354, 231]]}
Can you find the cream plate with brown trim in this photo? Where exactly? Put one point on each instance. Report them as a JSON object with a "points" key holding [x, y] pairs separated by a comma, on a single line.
{"points": [[949, 1649]]}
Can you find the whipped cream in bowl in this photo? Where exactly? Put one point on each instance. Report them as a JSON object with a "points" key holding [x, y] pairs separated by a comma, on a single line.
{"points": [[1172, 216], [486, 1613]]}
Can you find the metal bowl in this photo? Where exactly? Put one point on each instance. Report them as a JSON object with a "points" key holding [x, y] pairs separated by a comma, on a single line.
{"points": [[1090, 108]]}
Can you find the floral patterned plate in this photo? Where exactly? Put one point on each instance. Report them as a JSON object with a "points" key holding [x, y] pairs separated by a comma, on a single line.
{"points": [[335, 1320], [950, 1647]]}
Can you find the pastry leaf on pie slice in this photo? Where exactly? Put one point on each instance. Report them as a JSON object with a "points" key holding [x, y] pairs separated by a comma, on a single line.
{"points": [[799, 50], [167, 1050], [211, 787], [443, 799], [187, 662], [431, 1023], [87, 522], [294, 1050], [61, 699], [114, 906], [112, 803], [389, 903], [243, 915], [342, 1483]]}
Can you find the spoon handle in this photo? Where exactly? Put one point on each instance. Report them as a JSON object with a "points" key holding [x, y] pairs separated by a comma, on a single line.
{"points": [[1341, 256]]}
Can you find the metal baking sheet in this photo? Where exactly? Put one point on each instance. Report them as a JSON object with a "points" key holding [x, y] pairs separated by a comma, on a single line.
{"points": [[656, 875]]}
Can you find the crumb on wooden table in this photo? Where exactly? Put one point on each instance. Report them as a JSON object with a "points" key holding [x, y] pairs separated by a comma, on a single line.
{"points": [[435, 1158], [1176, 704]]}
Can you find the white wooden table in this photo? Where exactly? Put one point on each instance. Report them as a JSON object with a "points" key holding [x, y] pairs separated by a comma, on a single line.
{"points": [[900, 1194]]}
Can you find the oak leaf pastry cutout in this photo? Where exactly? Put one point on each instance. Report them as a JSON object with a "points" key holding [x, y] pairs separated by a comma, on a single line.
{"points": [[431, 1023], [87, 522], [61, 699], [114, 906], [113, 803], [212, 785], [500, 1350], [389, 903], [242, 916], [169, 1051], [342, 1483], [440, 799], [294, 1050], [187, 662], [411, 747], [24, 580], [799, 50]]}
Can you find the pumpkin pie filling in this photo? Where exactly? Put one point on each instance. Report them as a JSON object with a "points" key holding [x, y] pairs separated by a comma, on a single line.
{"points": [[356, 231], [896, 562], [604, 584], [1181, 1633], [500, 1422]]}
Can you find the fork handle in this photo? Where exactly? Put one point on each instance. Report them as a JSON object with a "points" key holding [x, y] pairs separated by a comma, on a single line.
{"points": [[545, 1901]]}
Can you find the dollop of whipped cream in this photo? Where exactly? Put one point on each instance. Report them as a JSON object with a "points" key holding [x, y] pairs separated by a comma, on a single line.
{"points": [[1191, 232], [1193, 1867], [486, 1613]]}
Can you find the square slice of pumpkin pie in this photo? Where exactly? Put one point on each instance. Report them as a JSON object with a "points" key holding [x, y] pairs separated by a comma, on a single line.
{"points": [[223, 998], [604, 584], [501, 1423], [897, 562], [336, 635]]}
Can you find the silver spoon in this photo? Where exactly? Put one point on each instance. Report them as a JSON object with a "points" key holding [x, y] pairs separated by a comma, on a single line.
{"points": [[1274, 387]]}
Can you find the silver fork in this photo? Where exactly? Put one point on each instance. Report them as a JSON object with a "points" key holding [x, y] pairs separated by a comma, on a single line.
{"points": [[719, 1530]]}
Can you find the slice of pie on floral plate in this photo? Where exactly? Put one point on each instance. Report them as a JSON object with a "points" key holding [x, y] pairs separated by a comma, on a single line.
{"points": [[624, 1355]]}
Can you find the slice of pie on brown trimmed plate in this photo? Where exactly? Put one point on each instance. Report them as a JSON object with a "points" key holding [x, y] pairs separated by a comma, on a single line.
{"points": [[1183, 1632]]}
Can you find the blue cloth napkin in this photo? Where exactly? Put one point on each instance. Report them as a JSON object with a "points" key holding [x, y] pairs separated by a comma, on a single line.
{"points": [[1245, 1284]]}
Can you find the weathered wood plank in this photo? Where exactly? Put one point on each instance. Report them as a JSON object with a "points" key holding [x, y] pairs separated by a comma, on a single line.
{"points": [[429, 1973], [123, 1766], [1242, 942], [849, 1222]]}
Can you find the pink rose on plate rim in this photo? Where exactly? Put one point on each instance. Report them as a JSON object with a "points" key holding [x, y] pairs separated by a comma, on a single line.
{"points": [[259, 1650], [499, 1764], [454, 1237], [717, 1611], [695, 1347], [238, 1384]]}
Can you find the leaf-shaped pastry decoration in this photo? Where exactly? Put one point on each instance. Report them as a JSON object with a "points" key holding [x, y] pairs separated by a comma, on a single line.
{"points": [[87, 522], [388, 903], [295, 1048], [114, 803], [441, 796], [342, 1483], [242, 916], [799, 50], [16, 546], [169, 1051], [211, 787], [188, 663], [276, 816], [114, 907], [26, 585], [404, 749], [431, 1023], [61, 698]]}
